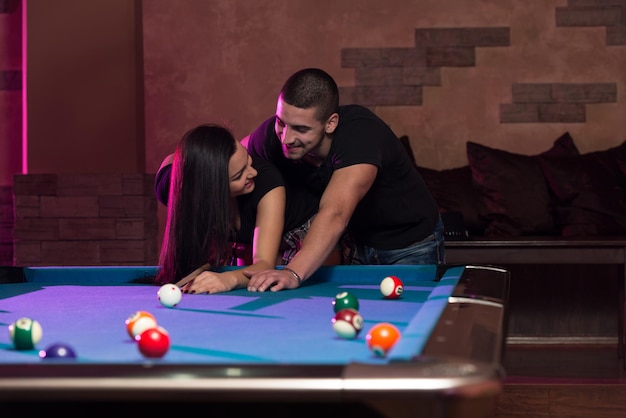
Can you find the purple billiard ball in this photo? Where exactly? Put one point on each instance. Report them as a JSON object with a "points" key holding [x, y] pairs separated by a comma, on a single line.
{"points": [[58, 351]]}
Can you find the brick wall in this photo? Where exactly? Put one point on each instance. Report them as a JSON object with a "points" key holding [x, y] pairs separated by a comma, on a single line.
{"points": [[610, 14], [89, 219], [555, 102], [6, 226], [396, 76]]}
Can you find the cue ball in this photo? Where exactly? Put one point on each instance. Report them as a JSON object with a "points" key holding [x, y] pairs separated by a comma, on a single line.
{"points": [[153, 342], [169, 295], [381, 338], [391, 287], [25, 333], [347, 323], [58, 352], [139, 322], [345, 300]]}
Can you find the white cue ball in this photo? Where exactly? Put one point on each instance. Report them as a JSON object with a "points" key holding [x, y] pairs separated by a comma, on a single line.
{"points": [[169, 295]]}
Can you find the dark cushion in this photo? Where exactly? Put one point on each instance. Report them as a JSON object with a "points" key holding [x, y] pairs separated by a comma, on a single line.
{"points": [[454, 192], [515, 194], [590, 190]]}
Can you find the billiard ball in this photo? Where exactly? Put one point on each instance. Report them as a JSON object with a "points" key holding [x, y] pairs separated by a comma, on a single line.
{"points": [[153, 342], [25, 333], [347, 323], [391, 287], [345, 300], [138, 322], [169, 295], [382, 337], [58, 352]]}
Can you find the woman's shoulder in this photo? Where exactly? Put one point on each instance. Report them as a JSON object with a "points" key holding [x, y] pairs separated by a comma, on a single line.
{"points": [[268, 177]]}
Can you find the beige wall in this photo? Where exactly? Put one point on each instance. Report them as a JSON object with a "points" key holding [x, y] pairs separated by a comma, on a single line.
{"points": [[224, 61], [84, 100], [10, 93]]}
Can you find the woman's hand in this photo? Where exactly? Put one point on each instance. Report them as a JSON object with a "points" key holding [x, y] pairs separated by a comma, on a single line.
{"points": [[212, 282]]}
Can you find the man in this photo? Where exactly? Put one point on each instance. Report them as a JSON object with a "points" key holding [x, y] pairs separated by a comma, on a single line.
{"points": [[363, 173]]}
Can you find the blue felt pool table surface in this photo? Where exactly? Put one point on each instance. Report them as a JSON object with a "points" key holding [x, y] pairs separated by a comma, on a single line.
{"points": [[86, 308], [267, 354]]}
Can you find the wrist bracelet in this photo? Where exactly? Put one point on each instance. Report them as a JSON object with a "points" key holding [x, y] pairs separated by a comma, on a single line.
{"points": [[296, 275]]}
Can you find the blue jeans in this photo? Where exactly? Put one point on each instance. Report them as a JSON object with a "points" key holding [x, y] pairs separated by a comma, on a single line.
{"points": [[431, 250]]}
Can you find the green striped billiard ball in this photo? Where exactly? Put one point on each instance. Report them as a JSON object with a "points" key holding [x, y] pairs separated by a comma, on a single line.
{"points": [[345, 300], [25, 333]]}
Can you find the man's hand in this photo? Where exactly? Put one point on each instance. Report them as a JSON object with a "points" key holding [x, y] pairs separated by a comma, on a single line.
{"points": [[274, 280]]}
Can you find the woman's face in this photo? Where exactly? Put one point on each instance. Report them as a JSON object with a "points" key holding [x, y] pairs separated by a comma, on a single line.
{"points": [[240, 172]]}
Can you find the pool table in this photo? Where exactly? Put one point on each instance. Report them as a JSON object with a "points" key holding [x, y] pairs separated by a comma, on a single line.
{"points": [[274, 353]]}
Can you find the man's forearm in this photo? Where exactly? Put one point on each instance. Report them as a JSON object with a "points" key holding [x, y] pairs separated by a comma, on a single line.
{"points": [[319, 242]]}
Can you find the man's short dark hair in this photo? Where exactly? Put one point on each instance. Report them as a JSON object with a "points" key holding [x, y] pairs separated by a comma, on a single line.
{"points": [[312, 87]]}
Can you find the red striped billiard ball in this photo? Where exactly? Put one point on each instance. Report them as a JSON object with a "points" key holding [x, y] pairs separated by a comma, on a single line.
{"points": [[153, 342], [382, 337], [347, 323], [391, 287]]}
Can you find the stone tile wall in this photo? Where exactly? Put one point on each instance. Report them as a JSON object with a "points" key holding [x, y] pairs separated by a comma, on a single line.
{"points": [[396, 76], [89, 219], [6, 225]]}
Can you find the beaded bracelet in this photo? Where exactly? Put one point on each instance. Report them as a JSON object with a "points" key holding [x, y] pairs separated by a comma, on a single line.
{"points": [[296, 275]]}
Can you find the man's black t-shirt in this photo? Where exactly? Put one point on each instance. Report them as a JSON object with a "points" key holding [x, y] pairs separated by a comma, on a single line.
{"points": [[397, 211]]}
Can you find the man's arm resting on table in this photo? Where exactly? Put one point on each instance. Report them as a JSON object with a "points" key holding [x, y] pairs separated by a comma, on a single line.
{"points": [[346, 188]]}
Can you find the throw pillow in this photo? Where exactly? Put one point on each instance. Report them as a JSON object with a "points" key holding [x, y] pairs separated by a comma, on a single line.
{"points": [[591, 191], [454, 193], [515, 194]]}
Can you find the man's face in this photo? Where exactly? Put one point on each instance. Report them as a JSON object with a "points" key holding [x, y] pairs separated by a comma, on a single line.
{"points": [[298, 130]]}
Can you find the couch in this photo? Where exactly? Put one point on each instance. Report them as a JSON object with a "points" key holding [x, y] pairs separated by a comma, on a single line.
{"points": [[557, 220], [559, 192]]}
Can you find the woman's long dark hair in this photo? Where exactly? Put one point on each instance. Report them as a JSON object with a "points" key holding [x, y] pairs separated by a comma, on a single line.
{"points": [[198, 226]]}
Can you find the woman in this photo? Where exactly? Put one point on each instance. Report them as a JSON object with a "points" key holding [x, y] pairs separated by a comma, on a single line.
{"points": [[224, 209]]}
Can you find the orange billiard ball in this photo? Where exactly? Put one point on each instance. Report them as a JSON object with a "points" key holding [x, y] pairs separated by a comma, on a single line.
{"points": [[382, 337], [138, 322]]}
